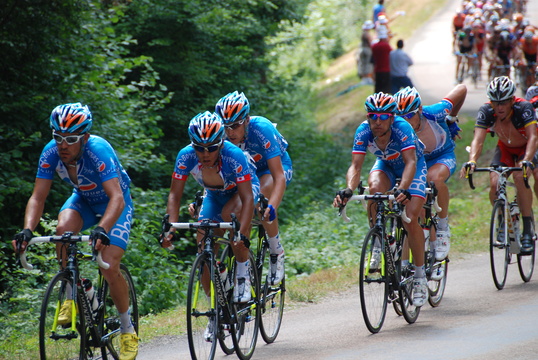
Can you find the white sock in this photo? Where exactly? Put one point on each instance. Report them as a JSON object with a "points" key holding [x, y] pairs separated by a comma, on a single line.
{"points": [[419, 272], [126, 325], [242, 270], [275, 247], [442, 224]]}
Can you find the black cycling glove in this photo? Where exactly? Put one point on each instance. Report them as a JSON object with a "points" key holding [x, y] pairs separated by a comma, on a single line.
{"points": [[99, 233], [403, 191], [23, 237]]}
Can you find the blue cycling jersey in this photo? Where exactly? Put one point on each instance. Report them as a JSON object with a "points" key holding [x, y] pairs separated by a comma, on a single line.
{"points": [[97, 164], [264, 142], [402, 138], [434, 133], [234, 168]]}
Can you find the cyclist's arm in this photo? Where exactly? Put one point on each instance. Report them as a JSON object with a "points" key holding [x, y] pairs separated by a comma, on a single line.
{"points": [[353, 175], [476, 148], [174, 199], [410, 160], [36, 203], [279, 181], [530, 150], [115, 206], [457, 97], [244, 190]]}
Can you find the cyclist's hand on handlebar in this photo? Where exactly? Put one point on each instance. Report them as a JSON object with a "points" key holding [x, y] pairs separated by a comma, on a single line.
{"points": [[467, 168], [527, 164], [166, 239], [21, 239], [401, 195], [270, 214], [99, 238], [342, 196]]}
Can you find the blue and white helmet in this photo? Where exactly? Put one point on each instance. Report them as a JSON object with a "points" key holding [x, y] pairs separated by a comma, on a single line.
{"points": [[71, 118], [380, 102], [407, 100], [233, 107], [206, 128]]}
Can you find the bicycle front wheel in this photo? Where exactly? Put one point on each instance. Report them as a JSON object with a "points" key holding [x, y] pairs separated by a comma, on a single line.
{"points": [[109, 318], [272, 303], [58, 337], [202, 319], [373, 282], [499, 245], [247, 315]]}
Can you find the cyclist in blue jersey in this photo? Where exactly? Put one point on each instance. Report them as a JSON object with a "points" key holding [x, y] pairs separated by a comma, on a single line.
{"points": [[436, 127], [100, 197], [260, 138], [231, 186], [399, 155]]}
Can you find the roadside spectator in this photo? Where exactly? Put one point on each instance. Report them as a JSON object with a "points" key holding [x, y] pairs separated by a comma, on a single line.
{"points": [[378, 8], [399, 63], [381, 59], [365, 67]]}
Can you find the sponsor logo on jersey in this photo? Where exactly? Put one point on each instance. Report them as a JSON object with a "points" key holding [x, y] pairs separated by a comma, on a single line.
{"points": [[267, 144], [257, 157], [101, 166], [85, 184], [239, 169]]}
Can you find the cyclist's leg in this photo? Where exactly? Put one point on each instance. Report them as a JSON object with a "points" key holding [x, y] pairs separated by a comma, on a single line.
{"points": [[381, 179], [493, 177]]}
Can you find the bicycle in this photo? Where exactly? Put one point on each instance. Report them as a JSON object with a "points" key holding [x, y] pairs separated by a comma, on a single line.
{"points": [[468, 66], [272, 296], [525, 75], [436, 271], [212, 316], [504, 238], [94, 326], [381, 276]]}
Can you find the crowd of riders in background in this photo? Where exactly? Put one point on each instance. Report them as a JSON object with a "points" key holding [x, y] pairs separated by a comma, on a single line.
{"points": [[499, 34]]}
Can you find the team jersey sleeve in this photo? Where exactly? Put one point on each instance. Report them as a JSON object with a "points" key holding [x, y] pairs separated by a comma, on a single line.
{"points": [[361, 139], [185, 161], [242, 169], [405, 133], [528, 114], [48, 161], [104, 159], [484, 118]]}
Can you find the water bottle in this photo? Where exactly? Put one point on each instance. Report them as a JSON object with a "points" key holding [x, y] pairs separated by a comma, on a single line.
{"points": [[223, 272], [90, 293]]}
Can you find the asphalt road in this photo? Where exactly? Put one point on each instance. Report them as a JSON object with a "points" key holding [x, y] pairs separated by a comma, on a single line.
{"points": [[474, 321]]}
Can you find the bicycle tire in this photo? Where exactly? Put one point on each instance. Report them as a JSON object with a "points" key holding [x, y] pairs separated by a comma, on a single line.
{"points": [[247, 325], [60, 341], [405, 293], [272, 299], [525, 264], [201, 310], [224, 334], [109, 319], [436, 288], [373, 283], [499, 245], [461, 72]]}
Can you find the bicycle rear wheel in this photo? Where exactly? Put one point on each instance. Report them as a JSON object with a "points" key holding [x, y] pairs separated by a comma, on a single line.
{"points": [[499, 245], [436, 288], [247, 315], [201, 312], [60, 341], [373, 282], [272, 302], [109, 318], [525, 263]]}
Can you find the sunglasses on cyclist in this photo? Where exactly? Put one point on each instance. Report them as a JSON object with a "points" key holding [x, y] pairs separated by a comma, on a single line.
{"points": [[500, 103], [409, 115], [69, 139], [380, 116], [210, 148], [235, 125]]}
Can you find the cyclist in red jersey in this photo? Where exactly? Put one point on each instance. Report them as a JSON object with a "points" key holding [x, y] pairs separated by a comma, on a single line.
{"points": [[514, 122]]}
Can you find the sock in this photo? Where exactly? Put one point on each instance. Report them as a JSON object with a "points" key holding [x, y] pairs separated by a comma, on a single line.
{"points": [[275, 247], [527, 225], [242, 270], [126, 326], [442, 224], [405, 263], [419, 272]]}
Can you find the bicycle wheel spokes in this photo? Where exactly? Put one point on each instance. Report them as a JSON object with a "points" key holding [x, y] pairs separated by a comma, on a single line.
{"points": [[373, 282], [247, 318], [499, 247], [272, 303], [224, 334], [58, 339], [201, 314], [409, 311], [436, 288], [525, 264], [109, 321]]}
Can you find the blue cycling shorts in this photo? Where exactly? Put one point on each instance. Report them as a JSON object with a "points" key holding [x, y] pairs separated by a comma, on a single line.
{"points": [[91, 215]]}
